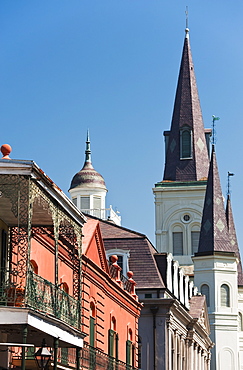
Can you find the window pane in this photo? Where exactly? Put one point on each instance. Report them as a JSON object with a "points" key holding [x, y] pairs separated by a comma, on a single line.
{"points": [[225, 298], [85, 203], [177, 243], [97, 202], [205, 291], [195, 240], [186, 144]]}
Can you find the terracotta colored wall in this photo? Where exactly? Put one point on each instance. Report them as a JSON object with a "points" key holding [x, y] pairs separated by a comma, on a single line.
{"points": [[109, 301], [45, 259]]}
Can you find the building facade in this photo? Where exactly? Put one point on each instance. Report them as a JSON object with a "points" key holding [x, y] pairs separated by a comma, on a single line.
{"points": [[192, 223], [173, 328], [57, 289]]}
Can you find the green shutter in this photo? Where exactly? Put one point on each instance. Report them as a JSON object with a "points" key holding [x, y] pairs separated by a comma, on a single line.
{"points": [[128, 352], [186, 144], [91, 331], [111, 335]]}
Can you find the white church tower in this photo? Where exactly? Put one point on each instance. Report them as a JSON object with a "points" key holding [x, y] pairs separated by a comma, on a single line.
{"points": [[216, 274], [88, 191], [180, 195]]}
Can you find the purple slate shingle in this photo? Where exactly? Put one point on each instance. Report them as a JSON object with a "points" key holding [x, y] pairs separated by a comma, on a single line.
{"points": [[214, 236], [187, 113]]}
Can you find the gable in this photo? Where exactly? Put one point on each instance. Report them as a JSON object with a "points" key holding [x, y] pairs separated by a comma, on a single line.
{"points": [[93, 246]]}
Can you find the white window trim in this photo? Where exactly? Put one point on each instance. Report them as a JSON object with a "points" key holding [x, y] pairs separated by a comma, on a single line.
{"points": [[120, 252]]}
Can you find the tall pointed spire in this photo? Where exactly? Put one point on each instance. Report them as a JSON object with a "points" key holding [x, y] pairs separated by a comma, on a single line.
{"points": [[186, 152], [214, 235], [233, 238]]}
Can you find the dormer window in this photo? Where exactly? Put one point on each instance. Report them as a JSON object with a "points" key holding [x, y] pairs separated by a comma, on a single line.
{"points": [[122, 259], [186, 143]]}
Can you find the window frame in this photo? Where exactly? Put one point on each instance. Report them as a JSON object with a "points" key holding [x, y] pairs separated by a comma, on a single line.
{"points": [[185, 153]]}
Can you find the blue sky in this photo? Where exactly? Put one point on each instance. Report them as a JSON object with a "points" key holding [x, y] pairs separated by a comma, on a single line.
{"points": [[112, 66]]}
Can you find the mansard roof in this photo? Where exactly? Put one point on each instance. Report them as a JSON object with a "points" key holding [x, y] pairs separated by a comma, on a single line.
{"points": [[186, 115], [141, 262], [233, 238], [214, 235]]}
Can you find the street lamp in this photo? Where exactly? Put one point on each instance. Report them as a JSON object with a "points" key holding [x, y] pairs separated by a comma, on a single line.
{"points": [[43, 356]]}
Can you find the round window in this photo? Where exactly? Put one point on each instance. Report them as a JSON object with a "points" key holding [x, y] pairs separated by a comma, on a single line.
{"points": [[186, 218]]}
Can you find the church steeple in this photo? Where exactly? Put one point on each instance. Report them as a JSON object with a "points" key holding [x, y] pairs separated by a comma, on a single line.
{"points": [[186, 148], [233, 238], [214, 236]]}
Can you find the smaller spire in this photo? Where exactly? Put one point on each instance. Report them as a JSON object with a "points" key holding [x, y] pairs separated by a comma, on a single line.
{"points": [[214, 235], [88, 151], [88, 177], [233, 238]]}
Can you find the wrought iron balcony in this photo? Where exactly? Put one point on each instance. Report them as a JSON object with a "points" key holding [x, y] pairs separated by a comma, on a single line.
{"points": [[91, 359], [94, 359], [41, 295]]}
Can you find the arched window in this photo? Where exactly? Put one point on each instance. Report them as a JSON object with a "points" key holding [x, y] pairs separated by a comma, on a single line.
{"points": [[177, 236], [123, 258], [92, 325], [195, 234], [129, 349], [225, 295], [34, 266], [186, 143], [205, 291], [113, 339]]}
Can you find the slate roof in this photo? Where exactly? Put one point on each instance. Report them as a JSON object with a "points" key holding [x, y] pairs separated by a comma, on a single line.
{"points": [[187, 112], [233, 238], [214, 235], [141, 262]]}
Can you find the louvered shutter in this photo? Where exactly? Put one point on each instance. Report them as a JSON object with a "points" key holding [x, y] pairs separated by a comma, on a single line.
{"points": [[195, 240], [177, 243]]}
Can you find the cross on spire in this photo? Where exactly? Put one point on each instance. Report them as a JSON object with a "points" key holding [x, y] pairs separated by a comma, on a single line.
{"points": [[186, 11]]}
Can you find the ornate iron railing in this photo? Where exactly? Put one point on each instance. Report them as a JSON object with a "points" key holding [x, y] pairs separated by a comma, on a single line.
{"points": [[94, 359], [42, 296], [45, 296]]}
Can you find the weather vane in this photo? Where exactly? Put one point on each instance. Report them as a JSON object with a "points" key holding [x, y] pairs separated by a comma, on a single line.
{"points": [[186, 16], [228, 182], [214, 132]]}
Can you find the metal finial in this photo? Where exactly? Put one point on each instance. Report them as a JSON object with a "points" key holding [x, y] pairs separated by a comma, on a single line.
{"points": [[214, 131], [88, 151], [228, 182], [186, 11]]}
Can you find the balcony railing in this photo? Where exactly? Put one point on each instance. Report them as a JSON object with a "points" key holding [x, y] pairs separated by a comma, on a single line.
{"points": [[42, 296], [93, 359], [104, 214], [127, 285]]}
